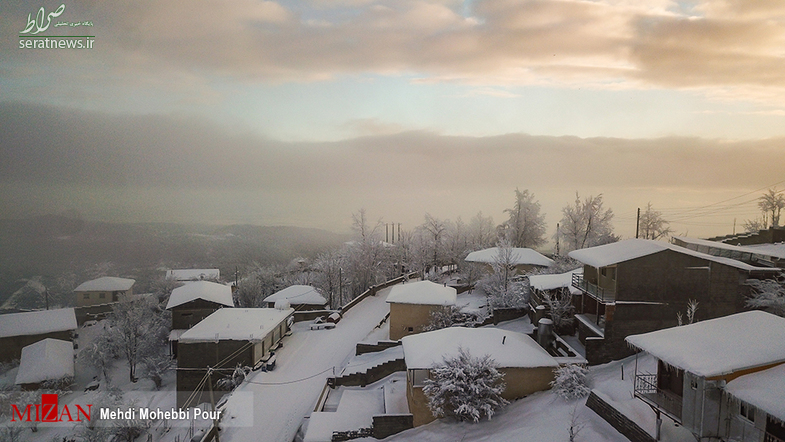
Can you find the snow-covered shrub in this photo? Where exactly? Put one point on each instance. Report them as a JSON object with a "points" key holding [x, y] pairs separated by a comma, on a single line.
{"points": [[560, 307], [571, 382], [12, 433], [233, 381], [155, 367], [768, 294], [465, 387], [447, 316], [61, 385]]}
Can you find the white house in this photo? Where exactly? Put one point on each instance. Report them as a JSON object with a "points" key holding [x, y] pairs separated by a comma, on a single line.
{"points": [[698, 362], [46, 360], [300, 297], [522, 258], [103, 290]]}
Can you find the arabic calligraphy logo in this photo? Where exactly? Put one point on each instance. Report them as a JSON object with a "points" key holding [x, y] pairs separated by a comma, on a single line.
{"points": [[37, 25]]}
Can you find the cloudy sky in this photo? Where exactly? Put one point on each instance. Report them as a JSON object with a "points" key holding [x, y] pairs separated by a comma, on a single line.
{"points": [[302, 112]]}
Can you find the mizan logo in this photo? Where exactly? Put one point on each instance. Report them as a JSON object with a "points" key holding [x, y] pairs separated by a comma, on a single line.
{"points": [[48, 411]]}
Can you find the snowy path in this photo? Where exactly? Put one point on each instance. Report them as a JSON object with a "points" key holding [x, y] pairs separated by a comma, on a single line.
{"points": [[279, 409]]}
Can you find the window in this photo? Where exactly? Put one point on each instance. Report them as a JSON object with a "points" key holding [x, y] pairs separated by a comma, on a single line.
{"points": [[102, 295], [747, 411], [86, 296], [411, 329]]}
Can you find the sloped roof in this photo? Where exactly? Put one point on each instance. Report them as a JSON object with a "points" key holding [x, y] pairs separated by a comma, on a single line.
{"points": [[718, 346], [551, 282], [520, 256], [422, 292], [298, 294], [205, 290], [236, 324], [629, 249], [763, 389], [37, 322], [193, 274], [46, 360], [106, 284], [508, 349]]}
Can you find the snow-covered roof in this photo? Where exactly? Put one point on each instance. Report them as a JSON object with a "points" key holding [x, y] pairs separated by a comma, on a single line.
{"points": [[508, 349], [520, 256], [629, 249], [205, 290], [193, 274], [37, 322], [46, 359], [718, 346], [236, 324], [551, 282], [763, 389], [776, 249], [298, 294], [105, 284], [422, 292]]}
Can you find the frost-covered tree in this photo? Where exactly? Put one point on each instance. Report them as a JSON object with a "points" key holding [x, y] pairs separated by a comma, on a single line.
{"points": [[571, 382], [366, 256], [235, 379], [156, 365], [448, 316], [768, 294], [586, 223], [434, 229], [100, 354], [501, 286], [755, 225], [260, 282], [139, 328], [560, 308], [525, 226], [771, 204], [329, 276], [481, 232], [652, 225], [465, 387]]}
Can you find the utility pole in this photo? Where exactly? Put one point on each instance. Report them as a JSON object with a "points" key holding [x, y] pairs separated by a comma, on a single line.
{"points": [[386, 233], [212, 402], [557, 239], [638, 223], [340, 284], [734, 226]]}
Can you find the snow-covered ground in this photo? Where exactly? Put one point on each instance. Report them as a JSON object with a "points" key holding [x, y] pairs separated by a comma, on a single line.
{"points": [[544, 416], [284, 396]]}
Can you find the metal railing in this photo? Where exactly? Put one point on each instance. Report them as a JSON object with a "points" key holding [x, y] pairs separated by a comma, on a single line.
{"points": [[646, 389], [768, 437], [599, 293]]}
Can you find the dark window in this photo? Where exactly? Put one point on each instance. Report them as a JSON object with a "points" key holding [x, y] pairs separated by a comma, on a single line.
{"points": [[102, 295], [410, 329], [747, 411], [86, 296]]}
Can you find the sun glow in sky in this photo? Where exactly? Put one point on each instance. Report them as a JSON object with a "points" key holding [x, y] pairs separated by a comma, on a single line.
{"points": [[302, 112]]}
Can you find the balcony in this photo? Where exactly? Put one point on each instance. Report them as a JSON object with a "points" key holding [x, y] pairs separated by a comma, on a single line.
{"points": [[768, 437], [668, 402], [603, 295]]}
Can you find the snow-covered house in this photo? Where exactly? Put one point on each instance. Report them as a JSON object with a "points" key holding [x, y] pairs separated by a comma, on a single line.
{"points": [[46, 360], [193, 302], [527, 367], [703, 366], [757, 406], [18, 330], [225, 339], [299, 297], [104, 290], [412, 303], [185, 275], [637, 286], [523, 259]]}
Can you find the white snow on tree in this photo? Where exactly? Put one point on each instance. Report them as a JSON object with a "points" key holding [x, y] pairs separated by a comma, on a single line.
{"points": [[571, 382], [769, 294], [465, 387], [501, 286]]}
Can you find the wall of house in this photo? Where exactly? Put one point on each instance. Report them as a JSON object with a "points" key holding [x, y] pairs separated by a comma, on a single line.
{"points": [[11, 346], [101, 297], [702, 410], [187, 315], [194, 357], [520, 382], [742, 429], [406, 316]]}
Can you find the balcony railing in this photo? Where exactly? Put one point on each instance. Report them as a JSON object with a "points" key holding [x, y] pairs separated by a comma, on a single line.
{"points": [[646, 389], [601, 294], [768, 437]]}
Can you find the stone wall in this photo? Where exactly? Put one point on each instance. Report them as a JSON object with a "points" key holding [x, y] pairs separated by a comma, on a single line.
{"points": [[365, 347], [619, 421]]}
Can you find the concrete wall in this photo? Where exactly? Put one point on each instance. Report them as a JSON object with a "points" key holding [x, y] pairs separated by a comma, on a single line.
{"points": [[385, 425], [364, 347]]}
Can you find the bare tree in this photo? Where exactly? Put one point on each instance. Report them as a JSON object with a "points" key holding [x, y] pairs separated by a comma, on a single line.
{"points": [[526, 225], [435, 229], [329, 275], [772, 203], [586, 223], [755, 225], [138, 327], [652, 225]]}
